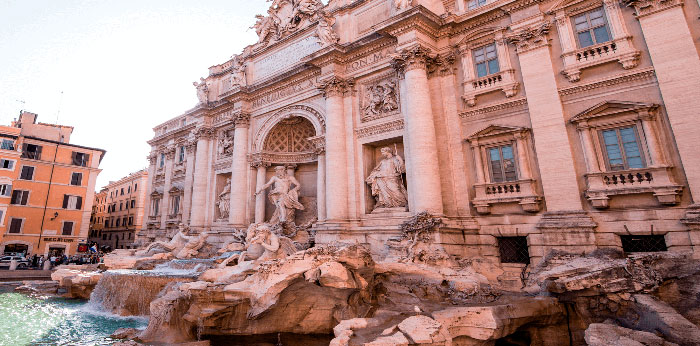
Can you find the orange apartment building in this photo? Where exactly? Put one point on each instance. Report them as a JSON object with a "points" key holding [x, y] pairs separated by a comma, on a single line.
{"points": [[119, 212], [47, 188]]}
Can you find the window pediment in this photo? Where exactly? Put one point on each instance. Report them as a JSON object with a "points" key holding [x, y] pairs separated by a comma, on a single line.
{"points": [[157, 193], [613, 108], [567, 4], [176, 189], [479, 37], [492, 131]]}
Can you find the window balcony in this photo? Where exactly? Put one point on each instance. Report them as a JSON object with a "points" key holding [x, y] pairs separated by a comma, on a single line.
{"points": [[620, 50], [656, 180], [499, 81], [520, 191], [154, 220], [174, 219]]}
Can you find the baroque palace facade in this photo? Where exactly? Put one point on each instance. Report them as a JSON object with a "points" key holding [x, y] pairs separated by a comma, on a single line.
{"points": [[526, 125]]}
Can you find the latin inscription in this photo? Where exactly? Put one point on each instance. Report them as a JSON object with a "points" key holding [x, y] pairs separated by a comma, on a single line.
{"points": [[368, 60], [285, 58], [282, 93]]}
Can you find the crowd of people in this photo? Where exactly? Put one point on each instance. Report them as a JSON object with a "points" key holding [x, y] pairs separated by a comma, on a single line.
{"points": [[56, 259]]}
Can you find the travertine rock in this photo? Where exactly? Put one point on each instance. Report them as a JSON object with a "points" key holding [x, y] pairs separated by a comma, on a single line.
{"points": [[657, 315], [421, 329], [397, 339], [604, 334], [334, 274]]}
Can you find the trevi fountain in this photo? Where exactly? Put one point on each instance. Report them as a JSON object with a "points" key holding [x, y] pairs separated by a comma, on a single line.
{"points": [[417, 172]]}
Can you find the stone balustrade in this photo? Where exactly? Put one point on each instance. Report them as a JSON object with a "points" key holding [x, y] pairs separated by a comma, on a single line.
{"points": [[579, 59], [519, 191], [656, 180], [503, 81]]}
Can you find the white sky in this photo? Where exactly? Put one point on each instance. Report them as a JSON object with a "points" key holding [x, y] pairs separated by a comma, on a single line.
{"points": [[123, 66]]}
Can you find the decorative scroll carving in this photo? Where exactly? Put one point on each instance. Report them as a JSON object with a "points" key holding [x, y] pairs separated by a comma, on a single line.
{"points": [[319, 144], [152, 158], [530, 37], [381, 100]]}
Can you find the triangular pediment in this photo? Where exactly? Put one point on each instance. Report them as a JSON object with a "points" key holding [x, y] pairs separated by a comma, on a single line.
{"points": [[608, 108], [157, 192], [562, 4], [495, 130], [176, 189]]}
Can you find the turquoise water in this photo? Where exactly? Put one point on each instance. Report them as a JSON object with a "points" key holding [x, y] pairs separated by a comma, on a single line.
{"points": [[28, 320]]}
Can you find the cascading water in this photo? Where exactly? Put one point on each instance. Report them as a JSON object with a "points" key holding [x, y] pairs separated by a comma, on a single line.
{"points": [[130, 292]]}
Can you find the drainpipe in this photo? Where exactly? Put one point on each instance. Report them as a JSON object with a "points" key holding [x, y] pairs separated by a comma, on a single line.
{"points": [[46, 202]]}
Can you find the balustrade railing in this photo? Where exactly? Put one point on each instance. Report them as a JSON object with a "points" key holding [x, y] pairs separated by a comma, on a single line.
{"points": [[594, 52]]}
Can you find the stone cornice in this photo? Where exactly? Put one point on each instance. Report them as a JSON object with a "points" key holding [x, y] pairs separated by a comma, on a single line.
{"points": [[609, 82], [647, 7], [522, 103], [417, 18]]}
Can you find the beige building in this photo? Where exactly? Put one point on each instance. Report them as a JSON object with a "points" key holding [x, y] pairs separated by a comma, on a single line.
{"points": [[119, 213], [528, 126], [47, 188]]}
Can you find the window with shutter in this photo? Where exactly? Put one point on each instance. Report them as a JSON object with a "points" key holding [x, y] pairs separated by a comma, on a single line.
{"points": [[31, 151], [76, 179], [19, 197], [7, 164], [67, 227], [5, 190], [27, 173], [16, 225]]}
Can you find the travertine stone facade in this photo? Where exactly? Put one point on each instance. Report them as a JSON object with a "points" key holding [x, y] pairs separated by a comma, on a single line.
{"points": [[568, 122]]}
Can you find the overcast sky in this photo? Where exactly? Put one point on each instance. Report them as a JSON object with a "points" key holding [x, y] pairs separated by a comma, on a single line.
{"points": [[121, 66]]}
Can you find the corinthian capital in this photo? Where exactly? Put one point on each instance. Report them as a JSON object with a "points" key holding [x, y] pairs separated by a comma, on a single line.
{"points": [[241, 120], [530, 37], [335, 86], [203, 132], [416, 57]]}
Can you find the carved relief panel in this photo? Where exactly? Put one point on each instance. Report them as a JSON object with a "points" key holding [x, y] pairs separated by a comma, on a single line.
{"points": [[224, 144], [379, 98]]}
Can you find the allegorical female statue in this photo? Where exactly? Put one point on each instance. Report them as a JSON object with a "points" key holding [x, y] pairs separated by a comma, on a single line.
{"points": [[283, 196], [387, 183], [224, 200]]}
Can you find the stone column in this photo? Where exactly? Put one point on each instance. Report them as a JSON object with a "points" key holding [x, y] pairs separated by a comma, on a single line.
{"points": [[523, 162], [260, 198], [239, 171], [336, 151], [556, 162], [165, 203], [148, 209], [657, 158], [189, 179], [591, 156], [425, 193], [676, 63], [320, 147], [478, 162], [201, 177]]}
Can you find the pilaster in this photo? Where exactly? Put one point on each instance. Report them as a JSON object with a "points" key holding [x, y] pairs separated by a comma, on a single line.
{"points": [[203, 136], [239, 170]]}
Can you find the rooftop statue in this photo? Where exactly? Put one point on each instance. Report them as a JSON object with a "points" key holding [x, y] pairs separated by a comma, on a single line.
{"points": [[202, 91], [324, 31], [285, 17]]}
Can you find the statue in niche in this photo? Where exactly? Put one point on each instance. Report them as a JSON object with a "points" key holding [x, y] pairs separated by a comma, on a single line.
{"points": [[224, 200], [387, 183], [324, 31], [202, 91], [381, 98], [261, 244], [285, 199], [225, 146], [401, 4], [238, 74]]}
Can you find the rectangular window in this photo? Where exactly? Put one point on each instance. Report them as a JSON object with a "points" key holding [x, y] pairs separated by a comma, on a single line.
{"points": [[67, 228], [122, 191], [622, 148], [176, 205], [121, 206], [181, 156], [7, 144], [7, 164], [486, 60], [19, 197], [76, 179], [72, 202], [118, 221], [31, 151], [16, 225], [2, 217], [502, 164], [106, 223], [162, 160], [643, 243], [156, 206], [476, 3], [513, 250], [27, 173], [80, 159], [124, 221], [133, 203], [591, 28], [5, 190], [131, 220]]}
